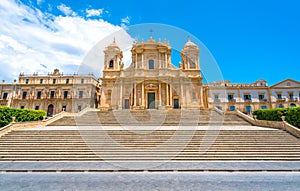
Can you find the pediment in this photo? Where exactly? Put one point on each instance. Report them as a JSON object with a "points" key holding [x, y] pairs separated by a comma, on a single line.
{"points": [[288, 83]]}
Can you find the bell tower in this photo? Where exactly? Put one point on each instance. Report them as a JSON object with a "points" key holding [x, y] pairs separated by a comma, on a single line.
{"points": [[113, 58], [190, 57]]}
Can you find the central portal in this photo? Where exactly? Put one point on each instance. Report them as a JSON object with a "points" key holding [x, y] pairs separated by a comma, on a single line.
{"points": [[151, 100]]}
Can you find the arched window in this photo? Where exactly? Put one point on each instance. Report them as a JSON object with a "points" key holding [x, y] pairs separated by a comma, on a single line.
{"points": [[281, 106], [151, 64], [192, 64], [292, 105], [109, 95], [111, 64]]}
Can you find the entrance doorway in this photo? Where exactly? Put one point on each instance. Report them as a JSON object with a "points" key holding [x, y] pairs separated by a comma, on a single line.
{"points": [[176, 103], [151, 100], [248, 109], [126, 106], [50, 110]]}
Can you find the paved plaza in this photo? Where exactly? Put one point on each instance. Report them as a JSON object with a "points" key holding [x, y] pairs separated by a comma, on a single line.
{"points": [[236, 181]]}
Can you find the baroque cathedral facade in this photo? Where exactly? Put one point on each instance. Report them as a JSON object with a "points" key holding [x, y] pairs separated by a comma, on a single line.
{"points": [[150, 82]]}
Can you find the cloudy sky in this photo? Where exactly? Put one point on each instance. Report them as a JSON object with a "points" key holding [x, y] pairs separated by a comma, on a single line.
{"points": [[249, 39]]}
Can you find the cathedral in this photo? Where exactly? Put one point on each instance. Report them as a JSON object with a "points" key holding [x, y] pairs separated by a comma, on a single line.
{"points": [[152, 81]]}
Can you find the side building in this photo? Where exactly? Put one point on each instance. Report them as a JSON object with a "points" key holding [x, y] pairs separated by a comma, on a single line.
{"points": [[53, 93], [250, 97]]}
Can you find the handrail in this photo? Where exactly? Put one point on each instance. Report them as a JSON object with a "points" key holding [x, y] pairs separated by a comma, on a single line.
{"points": [[219, 111], [55, 117], [247, 117]]}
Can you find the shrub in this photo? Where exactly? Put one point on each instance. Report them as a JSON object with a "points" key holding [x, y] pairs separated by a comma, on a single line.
{"points": [[292, 115], [22, 115], [270, 114]]}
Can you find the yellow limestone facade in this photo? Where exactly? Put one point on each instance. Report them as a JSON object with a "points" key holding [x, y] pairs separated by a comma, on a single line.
{"points": [[53, 93], [151, 81]]}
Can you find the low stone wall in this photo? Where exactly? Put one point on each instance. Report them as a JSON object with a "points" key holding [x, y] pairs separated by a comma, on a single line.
{"points": [[272, 124], [22, 125], [31, 124]]}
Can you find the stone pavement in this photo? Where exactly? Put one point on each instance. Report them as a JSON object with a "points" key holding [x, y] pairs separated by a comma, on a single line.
{"points": [[135, 166]]}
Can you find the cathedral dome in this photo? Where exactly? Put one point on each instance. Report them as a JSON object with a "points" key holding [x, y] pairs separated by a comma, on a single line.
{"points": [[190, 44], [113, 45]]}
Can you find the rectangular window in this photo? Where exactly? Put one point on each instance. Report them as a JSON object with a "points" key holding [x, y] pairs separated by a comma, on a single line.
{"points": [[64, 108], [65, 94], [41, 81], [54, 81], [82, 80], [39, 95], [230, 96], [24, 95], [79, 108], [52, 93], [279, 96], [261, 96], [37, 107], [27, 81], [151, 64], [232, 108], [216, 98], [263, 107], [247, 97], [67, 81], [5, 95], [291, 95], [80, 94]]}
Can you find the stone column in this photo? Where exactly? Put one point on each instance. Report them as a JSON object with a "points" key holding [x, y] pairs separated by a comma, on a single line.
{"points": [[159, 59], [142, 60], [201, 96], [136, 60], [143, 94], [171, 95], [181, 92], [121, 96], [159, 93], [134, 94], [166, 60], [167, 93]]}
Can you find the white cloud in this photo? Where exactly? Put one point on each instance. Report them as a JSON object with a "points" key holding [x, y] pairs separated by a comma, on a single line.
{"points": [[93, 12], [39, 2], [126, 20], [66, 10], [33, 41]]}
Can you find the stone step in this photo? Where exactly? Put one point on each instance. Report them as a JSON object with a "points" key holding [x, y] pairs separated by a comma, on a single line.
{"points": [[149, 156], [147, 117]]}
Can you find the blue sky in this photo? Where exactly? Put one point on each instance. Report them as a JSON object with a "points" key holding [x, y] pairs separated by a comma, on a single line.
{"points": [[249, 39]]}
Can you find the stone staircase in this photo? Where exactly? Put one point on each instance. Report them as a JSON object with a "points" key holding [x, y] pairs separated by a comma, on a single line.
{"points": [[182, 145], [151, 118]]}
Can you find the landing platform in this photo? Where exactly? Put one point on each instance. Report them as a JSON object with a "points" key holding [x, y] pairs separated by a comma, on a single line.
{"points": [[118, 128]]}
